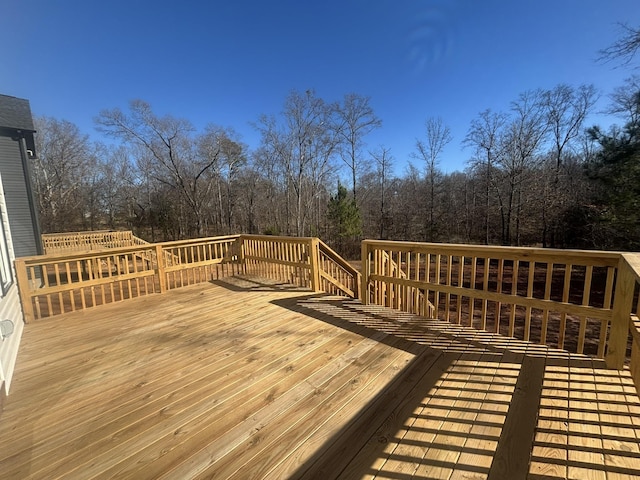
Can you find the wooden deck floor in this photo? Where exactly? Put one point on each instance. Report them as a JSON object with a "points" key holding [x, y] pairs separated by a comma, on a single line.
{"points": [[246, 380]]}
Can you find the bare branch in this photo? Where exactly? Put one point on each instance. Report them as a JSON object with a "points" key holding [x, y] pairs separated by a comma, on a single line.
{"points": [[625, 48]]}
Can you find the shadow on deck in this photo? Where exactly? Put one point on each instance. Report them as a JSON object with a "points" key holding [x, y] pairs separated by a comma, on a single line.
{"points": [[260, 380], [476, 405]]}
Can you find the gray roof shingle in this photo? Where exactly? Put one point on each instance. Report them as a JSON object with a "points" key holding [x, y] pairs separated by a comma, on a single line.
{"points": [[15, 113]]}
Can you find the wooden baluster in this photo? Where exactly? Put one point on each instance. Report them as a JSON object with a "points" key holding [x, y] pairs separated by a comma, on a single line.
{"points": [[81, 281], [485, 288], [419, 306], [436, 298], [565, 299], [586, 294], [459, 296], [448, 295], [608, 295], [499, 290], [472, 286], [515, 272], [56, 270], [547, 295], [527, 318], [72, 298]]}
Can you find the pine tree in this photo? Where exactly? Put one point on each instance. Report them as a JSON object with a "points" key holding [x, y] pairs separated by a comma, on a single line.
{"points": [[344, 218]]}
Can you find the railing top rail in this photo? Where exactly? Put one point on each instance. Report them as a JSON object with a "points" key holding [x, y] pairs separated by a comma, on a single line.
{"points": [[195, 241], [80, 254], [277, 238], [338, 259], [60, 234], [60, 257], [608, 258]]}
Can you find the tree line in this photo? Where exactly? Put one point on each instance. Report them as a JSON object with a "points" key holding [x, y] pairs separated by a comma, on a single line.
{"points": [[536, 175]]}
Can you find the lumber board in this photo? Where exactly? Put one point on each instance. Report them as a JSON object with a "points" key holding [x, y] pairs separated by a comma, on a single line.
{"points": [[246, 378]]}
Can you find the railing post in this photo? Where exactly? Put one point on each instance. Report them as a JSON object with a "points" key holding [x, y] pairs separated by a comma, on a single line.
{"points": [[242, 262], [162, 277], [314, 258], [622, 304], [364, 281], [23, 290]]}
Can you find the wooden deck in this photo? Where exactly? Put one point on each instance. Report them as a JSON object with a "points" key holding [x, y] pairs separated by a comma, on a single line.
{"points": [[244, 379]]}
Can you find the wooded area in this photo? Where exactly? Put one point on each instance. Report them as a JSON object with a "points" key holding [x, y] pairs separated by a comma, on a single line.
{"points": [[536, 175]]}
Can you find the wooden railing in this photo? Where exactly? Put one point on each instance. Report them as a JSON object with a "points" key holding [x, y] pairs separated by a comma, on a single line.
{"points": [[66, 282], [337, 276], [287, 259], [304, 261], [626, 316], [583, 301], [418, 302], [188, 262], [53, 243], [53, 284], [562, 298]]}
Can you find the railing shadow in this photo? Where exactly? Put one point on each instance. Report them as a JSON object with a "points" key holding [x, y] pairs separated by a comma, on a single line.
{"points": [[240, 283], [475, 404]]}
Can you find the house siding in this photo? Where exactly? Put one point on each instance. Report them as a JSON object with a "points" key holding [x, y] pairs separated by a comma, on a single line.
{"points": [[10, 309], [14, 182], [18, 218]]}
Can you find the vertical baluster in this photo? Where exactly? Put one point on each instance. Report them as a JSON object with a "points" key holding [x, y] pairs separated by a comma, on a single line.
{"points": [[459, 296], [90, 266], [586, 298], [427, 279], [72, 298], [527, 319], [565, 298], [448, 295], [547, 295], [472, 286], [56, 268], [515, 272], [485, 288], [608, 295], [418, 306], [81, 281], [121, 269], [499, 290], [436, 280]]}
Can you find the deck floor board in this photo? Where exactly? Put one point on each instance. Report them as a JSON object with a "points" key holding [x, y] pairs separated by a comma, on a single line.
{"points": [[245, 378]]}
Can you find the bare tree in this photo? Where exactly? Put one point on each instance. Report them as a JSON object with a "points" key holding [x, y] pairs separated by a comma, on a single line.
{"points": [[625, 48], [484, 137], [625, 101], [304, 145], [521, 140], [438, 136], [384, 163], [116, 184], [355, 120], [566, 110], [170, 146], [222, 151], [62, 171]]}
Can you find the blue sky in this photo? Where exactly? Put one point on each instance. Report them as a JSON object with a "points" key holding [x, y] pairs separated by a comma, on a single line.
{"points": [[228, 62]]}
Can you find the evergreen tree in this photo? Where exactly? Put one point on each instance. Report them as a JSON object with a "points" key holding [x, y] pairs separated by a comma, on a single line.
{"points": [[344, 218], [616, 171]]}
